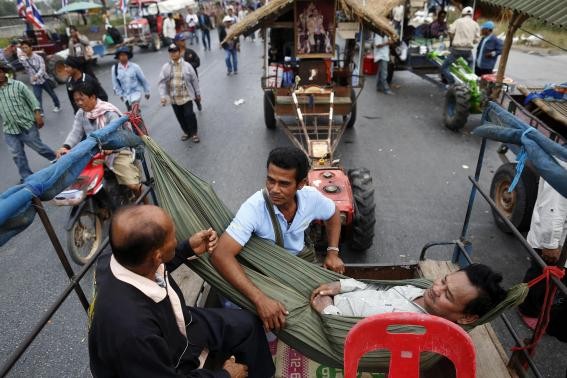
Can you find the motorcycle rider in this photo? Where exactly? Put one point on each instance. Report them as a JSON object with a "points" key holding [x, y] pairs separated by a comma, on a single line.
{"points": [[95, 114]]}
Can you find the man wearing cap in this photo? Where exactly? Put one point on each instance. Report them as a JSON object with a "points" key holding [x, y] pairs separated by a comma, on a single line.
{"points": [[179, 85], [189, 55], [22, 119], [464, 33], [128, 80], [169, 29], [74, 67], [488, 49], [230, 47]]}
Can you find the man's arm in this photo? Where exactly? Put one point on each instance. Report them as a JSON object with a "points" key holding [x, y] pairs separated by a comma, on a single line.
{"points": [[194, 81], [162, 85], [271, 312], [199, 243], [115, 84], [142, 79], [333, 226]]}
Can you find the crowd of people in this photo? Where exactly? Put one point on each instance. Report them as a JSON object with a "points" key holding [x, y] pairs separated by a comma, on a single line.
{"points": [[23, 110]]}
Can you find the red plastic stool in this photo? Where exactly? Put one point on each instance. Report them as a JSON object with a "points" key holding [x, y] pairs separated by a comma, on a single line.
{"points": [[441, 336]]}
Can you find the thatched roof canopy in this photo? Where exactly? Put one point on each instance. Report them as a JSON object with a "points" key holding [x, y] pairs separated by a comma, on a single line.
{"points": [[370, 12]]}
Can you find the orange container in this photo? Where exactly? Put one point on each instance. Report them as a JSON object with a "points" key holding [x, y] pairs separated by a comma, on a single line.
{"points": [[369, 67]]}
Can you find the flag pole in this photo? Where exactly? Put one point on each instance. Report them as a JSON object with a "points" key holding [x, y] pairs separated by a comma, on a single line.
{"points": [[125, 27]]}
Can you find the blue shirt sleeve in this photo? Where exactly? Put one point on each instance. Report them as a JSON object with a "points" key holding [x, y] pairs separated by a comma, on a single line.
{"points": [[321, 207], [245, 222]]}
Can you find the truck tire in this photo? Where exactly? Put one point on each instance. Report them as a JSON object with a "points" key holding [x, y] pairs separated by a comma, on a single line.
{"points": [[269, 103], [457, 107], [352, 118], [518, 205], [364, 211], [56, 67]]}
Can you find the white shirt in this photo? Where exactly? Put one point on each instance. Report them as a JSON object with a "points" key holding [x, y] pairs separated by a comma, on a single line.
{"points": [[381, 53], [465, 32], [169, 28], [362, 300], [548, 228], [192, 20], [398, 13]]}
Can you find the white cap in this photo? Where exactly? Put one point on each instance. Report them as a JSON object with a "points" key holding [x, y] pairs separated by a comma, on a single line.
{"points": [[227, 19], [467, 11]]}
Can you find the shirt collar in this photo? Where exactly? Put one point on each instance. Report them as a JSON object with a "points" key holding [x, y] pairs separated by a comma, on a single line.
{"points": [[125, 66], [150, 288]]}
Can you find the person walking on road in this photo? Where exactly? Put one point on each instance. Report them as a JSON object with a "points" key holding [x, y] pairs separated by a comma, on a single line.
{"points": [[128, 80], [74, 67], [382, 58], [35, 67], [464, 33], [206, 27], [190, 56], [192, 24], [179, 85], [169, 29], [231, 47], [22, 120], [80, 47], [488, 50]]}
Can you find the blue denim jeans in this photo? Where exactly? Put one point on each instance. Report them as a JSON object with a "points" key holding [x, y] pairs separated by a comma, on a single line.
{"points": [[206, 36], [30, 138], [455, 54], [231, 60], [38, 90], [382, 76]]}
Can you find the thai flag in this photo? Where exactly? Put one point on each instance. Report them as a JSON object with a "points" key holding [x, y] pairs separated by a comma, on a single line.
{"points": [[124, 6], [28, 10]]}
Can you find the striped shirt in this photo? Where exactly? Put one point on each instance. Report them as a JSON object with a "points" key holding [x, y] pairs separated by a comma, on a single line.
{"points": [[17, 106], [35, 68], [180, 92]]}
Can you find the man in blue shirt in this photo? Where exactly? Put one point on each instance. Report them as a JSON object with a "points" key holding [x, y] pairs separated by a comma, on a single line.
{"points": [[295, 206], [128, 80], [488, 50]]}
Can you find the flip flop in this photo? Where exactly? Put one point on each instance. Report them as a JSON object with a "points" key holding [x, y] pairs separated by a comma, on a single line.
{"points": [[185, 137], [196, 139]]}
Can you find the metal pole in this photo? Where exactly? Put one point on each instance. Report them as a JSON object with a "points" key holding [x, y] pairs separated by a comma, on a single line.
{"points": [[124, 23], [59, 250]]}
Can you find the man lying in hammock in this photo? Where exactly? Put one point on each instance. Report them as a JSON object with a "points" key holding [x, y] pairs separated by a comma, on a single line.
{"points": [[281, 212], [461, 297]]}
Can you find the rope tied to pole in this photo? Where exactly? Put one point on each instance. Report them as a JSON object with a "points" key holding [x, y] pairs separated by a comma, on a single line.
{"points": [[543, 318], [521, 162]]}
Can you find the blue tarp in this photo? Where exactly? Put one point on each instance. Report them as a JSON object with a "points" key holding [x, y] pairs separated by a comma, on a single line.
{"points": [[16, 210], [540, 150]]}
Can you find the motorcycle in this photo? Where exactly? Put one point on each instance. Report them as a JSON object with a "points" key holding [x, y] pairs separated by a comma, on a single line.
{"points": [[93, 197]]}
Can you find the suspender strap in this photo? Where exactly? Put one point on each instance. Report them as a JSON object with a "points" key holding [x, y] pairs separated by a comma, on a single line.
{"points": [[275, 223]]}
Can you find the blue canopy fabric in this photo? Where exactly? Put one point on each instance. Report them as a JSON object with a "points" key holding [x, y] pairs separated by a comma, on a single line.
{"points": [[500, 125], [16, 210]]}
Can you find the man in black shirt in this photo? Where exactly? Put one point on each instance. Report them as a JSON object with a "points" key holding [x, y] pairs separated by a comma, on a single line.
{"points": [[141, 326], [74, 66]]}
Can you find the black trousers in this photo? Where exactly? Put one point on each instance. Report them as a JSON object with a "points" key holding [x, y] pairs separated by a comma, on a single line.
{"points": [[186, 117], [231, 332]]}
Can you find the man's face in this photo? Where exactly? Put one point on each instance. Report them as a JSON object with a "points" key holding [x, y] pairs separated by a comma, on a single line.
{"points": [[174, 55], [3, 77], [282, 185], [449, 296], [74, 34], [70, 71], [123, 58], [87, 103], [26, 49], [485, 32], [230, 11]]}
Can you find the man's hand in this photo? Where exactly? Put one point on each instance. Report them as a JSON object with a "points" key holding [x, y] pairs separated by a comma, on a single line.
{"points": [[38, 119], [163, 101], [203, 241], [550, 256], [234, 369], [333, 262], [320, 302], [61, 151], [330, 289], [198, 98], [147, 96], [271, 312]]}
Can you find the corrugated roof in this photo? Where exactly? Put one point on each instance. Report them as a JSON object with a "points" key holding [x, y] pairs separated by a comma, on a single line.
{"points": [[553, 12]]}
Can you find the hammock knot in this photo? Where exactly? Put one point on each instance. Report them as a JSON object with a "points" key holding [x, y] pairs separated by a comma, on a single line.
{"points": [[521, 162], [548, 271]]}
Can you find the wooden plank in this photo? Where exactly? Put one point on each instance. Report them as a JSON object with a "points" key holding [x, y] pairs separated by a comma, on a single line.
{"points": [[491, 358]]}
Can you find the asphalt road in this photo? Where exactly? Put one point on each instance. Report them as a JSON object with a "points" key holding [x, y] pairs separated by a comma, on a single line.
{"points": [[419, 169]]}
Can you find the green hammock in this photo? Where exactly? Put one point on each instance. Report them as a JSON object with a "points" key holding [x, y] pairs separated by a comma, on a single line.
{"points": [[195, 206]]}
